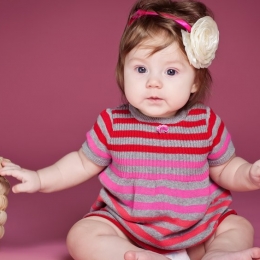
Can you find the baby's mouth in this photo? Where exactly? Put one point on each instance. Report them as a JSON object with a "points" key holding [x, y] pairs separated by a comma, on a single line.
{"points": [[154, 98]]}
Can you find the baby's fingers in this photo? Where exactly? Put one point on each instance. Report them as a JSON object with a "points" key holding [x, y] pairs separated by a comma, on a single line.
{"points": [[21, 187], [30, 181], [12, 170], [255, 169], [9, 165], [255, 174]]}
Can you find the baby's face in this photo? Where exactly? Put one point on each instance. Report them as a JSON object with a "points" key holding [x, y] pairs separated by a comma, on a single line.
{"points": [[159, 84]]}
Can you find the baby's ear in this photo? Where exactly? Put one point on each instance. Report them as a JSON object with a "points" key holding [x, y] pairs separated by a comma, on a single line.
{"points": [[194, 88]]}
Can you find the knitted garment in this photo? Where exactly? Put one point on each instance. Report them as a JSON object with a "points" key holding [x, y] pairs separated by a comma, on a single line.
{"points": [[156, 184]]}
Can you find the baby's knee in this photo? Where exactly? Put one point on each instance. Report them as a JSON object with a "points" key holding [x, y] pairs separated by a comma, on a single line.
{"points": [[83, 239], [79, 239], [73, 238], [238, 222], [242, 223]]}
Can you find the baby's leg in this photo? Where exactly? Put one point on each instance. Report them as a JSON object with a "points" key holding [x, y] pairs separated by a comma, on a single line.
{"points": [[233, 240], [147, 255], [96, 238]]}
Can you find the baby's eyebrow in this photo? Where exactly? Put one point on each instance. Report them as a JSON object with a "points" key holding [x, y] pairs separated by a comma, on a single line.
{"points": [[136, 59], [174, 62]]}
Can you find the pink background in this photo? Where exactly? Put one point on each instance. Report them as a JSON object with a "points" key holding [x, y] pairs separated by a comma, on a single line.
{"points": [[57, 64]]}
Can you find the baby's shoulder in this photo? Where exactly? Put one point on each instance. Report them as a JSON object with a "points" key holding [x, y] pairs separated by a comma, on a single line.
{"points": [[118, 111], [111, 115], [200, 109], [203, 112]]}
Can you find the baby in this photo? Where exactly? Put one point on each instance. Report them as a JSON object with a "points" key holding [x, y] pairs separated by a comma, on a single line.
{"points": [[165, 160]]}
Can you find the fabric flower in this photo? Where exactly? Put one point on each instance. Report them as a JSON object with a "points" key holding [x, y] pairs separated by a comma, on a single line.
{"points": [[202, 42]]}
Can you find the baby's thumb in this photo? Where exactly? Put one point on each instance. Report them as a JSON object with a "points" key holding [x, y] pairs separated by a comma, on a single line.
{"points": [[25, 187], [21, 187]]}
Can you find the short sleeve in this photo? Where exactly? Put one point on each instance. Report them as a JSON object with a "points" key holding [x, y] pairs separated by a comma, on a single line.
{"points": [[222, 148], [96, 146]]}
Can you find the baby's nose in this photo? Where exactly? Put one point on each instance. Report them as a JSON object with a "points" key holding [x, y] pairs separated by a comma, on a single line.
{"points": [[154, 82]]}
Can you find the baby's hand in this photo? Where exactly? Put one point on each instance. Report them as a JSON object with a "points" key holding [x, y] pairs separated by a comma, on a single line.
{"points": [[30, 181], [255, 173]]}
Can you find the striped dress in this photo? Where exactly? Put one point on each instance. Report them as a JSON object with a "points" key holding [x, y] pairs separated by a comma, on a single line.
{"points": [[156, 184]]}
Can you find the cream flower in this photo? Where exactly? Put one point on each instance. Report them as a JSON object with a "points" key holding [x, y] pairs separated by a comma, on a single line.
{"points": [[202, 42]]}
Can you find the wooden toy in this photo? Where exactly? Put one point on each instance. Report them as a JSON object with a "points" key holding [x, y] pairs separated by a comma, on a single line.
{"points": [[4, 190]]}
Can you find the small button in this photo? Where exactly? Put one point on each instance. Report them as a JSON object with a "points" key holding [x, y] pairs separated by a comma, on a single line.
{"points": [[162, 129]]}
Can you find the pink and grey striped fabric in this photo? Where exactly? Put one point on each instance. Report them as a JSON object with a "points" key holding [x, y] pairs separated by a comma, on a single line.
{"points": [[156, 186]]}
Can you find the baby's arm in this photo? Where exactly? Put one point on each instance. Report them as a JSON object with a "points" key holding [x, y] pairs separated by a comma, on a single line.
{"points": [[237, 175], [72, 169]]}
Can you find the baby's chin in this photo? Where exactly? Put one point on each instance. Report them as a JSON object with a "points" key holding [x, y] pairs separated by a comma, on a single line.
{"points": [[158, 115]]}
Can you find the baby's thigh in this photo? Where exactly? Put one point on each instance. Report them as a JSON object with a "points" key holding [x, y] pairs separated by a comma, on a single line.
{"points": [[87, 229], [94, 236], [233, 228]]}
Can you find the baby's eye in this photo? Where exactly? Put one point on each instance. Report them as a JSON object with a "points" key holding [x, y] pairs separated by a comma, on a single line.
{"points": [[171, 72], [141, 69]]}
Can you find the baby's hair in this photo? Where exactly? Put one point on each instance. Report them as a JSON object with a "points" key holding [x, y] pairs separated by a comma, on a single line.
{"points": [[149, 26]]}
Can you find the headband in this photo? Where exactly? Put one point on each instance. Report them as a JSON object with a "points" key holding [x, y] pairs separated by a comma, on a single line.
{"points": [[200, 40], [139, 13]]}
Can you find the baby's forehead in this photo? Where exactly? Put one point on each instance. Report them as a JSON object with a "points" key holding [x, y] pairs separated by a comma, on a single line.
{"points": [[151, 47], [155, 40]]}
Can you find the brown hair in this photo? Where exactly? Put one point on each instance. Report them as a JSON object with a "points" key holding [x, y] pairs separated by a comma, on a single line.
{"points": [[148, 26]]}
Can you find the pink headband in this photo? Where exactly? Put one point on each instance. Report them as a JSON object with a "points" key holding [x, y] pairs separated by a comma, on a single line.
{"points": [[140, 13]]}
